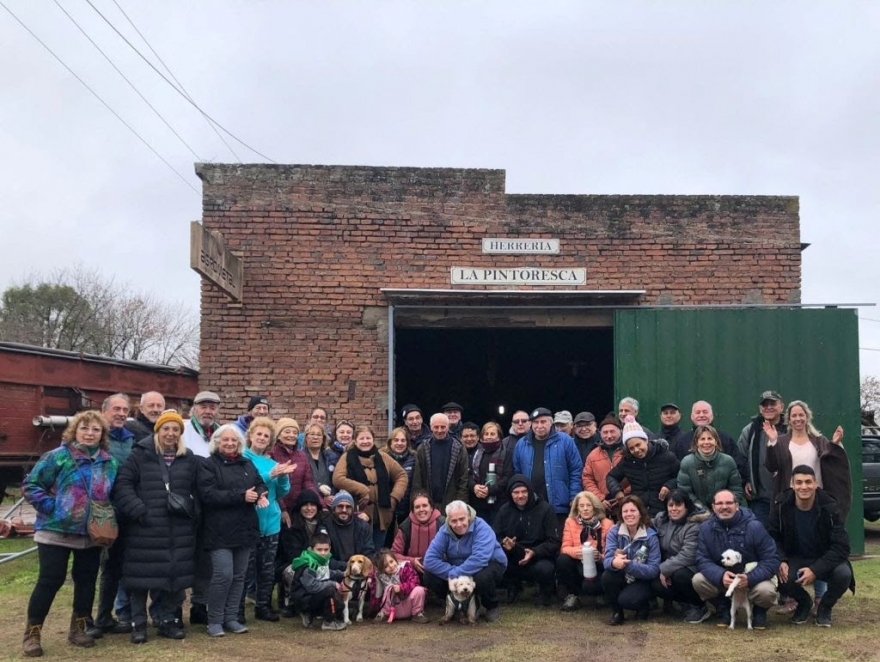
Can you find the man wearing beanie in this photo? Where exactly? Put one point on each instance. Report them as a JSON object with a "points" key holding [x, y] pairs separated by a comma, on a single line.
{"points": [[258, 406], [417, 431], [649, 466], [526, 528], [349, 534], [601, 459]]}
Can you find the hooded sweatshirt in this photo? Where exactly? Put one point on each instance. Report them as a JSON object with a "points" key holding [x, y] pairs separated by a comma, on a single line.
{"points": [[534, 525]]}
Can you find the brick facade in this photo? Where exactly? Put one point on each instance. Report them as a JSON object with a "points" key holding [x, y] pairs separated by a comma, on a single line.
{"points": [[318, 243]]}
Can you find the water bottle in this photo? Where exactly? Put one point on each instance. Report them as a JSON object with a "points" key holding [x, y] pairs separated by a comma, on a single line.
{"points": [[589, 560], [491, 477], [640, 557]]}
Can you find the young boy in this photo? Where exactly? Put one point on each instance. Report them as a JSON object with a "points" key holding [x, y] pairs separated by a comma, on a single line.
{"points": [[314, 587]]}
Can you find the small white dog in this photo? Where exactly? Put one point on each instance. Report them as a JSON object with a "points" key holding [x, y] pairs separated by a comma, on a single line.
{"points": [[461, 600], [739, 597]]}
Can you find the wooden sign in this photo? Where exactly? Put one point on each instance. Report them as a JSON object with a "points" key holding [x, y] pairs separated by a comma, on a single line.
{"points": [[209, 257]]}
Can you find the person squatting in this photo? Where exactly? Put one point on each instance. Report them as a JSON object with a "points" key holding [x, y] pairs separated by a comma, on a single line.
{"points": [[332, 524]]}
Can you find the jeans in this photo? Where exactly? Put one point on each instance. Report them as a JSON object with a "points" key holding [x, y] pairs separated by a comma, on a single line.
{"points": [[53, 571], [264, 569], [681, 588], [761, 510], [227, 584], [542, 572], [570, 573], [622, 595], [838, 581], [763, 594], [111, 594]]}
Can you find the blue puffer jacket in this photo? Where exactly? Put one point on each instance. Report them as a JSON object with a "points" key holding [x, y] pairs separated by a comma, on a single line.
{"points": [[744, 533], [562, 467], [450, 556], [619, 538]]}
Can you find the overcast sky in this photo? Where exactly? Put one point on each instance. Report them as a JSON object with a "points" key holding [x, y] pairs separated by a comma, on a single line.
{"points": [[775, 98]]}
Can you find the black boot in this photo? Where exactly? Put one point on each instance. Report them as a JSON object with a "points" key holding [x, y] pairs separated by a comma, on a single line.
{"points": [[198, 614], [139, 633], [265, 614]]}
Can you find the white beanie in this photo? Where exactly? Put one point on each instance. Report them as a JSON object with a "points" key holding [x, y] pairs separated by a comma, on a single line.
{"points": [[631, 430]]}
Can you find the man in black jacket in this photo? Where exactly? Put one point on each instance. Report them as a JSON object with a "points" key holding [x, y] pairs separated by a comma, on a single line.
{"points": [[586, 437], [526, 528], [152, 404], [349, 533], [813, 545], [679, 440]]}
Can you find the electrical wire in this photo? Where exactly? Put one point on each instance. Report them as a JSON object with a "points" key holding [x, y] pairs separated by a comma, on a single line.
{"points": [[125, 78], [868, 319], [179, 84], [98, 97], [176, 89]]}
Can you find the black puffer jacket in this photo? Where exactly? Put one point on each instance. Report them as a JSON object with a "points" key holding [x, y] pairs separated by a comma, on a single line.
{"points": [[229, 521], [160, 549], [647, 476], [534, 526]]}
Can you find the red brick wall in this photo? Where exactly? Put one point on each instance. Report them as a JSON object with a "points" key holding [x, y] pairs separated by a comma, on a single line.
{"points": [[318, 243]]}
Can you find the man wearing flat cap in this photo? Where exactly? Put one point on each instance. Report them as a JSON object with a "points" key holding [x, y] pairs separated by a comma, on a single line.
{"points": [[258, 406], [753, 444], [586, 435], [550, 460], [453, 412], [203, 421]]}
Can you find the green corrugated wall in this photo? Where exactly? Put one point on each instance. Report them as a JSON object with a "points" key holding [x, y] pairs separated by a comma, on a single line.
{"points": [[730, 356]]}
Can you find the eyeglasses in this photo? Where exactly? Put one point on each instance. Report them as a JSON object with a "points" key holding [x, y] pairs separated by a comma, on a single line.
{"points": [[520, 421]]}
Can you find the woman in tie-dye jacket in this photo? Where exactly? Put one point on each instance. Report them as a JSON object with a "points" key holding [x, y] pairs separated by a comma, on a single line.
{"points": [[59, 488]]}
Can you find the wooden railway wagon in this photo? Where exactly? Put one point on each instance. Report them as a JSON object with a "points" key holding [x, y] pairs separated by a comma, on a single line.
{"points": [[40, 387]]}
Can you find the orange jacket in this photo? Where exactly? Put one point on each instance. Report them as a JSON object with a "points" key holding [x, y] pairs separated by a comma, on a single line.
{"points": [[596, 468], [571, 537]]}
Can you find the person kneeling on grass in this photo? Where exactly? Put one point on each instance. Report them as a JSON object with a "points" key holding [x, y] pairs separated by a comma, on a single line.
{"points": [[397, 593], [315, 588]]}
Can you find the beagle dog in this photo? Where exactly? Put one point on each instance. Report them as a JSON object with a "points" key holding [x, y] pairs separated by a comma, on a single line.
{"points": [[356, 580]]}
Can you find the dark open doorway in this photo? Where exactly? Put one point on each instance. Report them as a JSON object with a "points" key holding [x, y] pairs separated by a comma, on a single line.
{"points": [[483, 369]]}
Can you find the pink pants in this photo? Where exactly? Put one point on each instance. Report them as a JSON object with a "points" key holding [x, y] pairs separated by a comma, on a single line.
{"points": [[407, 607]]}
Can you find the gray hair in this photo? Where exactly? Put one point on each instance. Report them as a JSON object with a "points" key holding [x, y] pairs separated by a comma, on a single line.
{"points": [[144, 395], [458, 504], [632, 402], [439, 417], [215, 438], [106, 404]]}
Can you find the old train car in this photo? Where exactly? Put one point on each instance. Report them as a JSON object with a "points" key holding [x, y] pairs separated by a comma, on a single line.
{"points": [[37, 384]]}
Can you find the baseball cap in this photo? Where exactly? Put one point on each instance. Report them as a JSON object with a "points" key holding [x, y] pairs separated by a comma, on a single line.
{"points": [[540, 411], [771, 395], [562, 417]]}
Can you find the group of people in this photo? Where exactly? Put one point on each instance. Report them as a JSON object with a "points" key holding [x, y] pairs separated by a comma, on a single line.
{"points": [[258, 507]]}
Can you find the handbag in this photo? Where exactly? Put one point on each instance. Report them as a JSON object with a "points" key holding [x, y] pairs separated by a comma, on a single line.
{"points": [[101, 521], [178, 505]]}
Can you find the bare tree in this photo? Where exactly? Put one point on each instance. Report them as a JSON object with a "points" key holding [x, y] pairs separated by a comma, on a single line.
{"points": [[80, 310], [870, 398]]}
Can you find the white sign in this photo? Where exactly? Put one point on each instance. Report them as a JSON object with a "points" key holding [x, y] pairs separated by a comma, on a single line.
{"points": [[520, 246], [518, 276]]}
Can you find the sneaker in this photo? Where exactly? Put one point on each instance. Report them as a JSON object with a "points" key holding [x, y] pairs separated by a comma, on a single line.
{"points": [[696, 614], [493, 613], [759, 618], [265, 614], [823, 616], [172, 630], [215, 630], [616, 618], [572, 603], [802, 611], [420, 618], [307, 620], [333, 625], [234, 627]]}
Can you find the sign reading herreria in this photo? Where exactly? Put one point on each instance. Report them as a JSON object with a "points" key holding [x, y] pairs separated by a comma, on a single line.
{"points": [[518, 276], [214, 261], [520, 246]]}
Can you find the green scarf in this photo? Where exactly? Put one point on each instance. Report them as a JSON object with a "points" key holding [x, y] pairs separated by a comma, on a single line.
{"points": [[311, 559]]}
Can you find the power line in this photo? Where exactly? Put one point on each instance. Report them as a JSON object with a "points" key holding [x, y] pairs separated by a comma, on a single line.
{"points": [[180, 85], [868, 319], [98, 97], [125, 78], [870, 349], [176, 89]]}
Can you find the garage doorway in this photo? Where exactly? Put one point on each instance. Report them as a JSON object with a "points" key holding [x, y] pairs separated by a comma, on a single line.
{"points": [[484, 368]]}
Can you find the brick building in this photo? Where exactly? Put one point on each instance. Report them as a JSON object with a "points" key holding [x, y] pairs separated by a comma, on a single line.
{"points": [[367, 287]]}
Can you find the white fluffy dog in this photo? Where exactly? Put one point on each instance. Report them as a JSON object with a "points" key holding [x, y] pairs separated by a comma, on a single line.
{"points": [[739, 597], [461, 600]]}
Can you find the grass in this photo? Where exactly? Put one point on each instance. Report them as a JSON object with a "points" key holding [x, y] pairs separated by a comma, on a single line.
{"points": [[523, 633]]}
